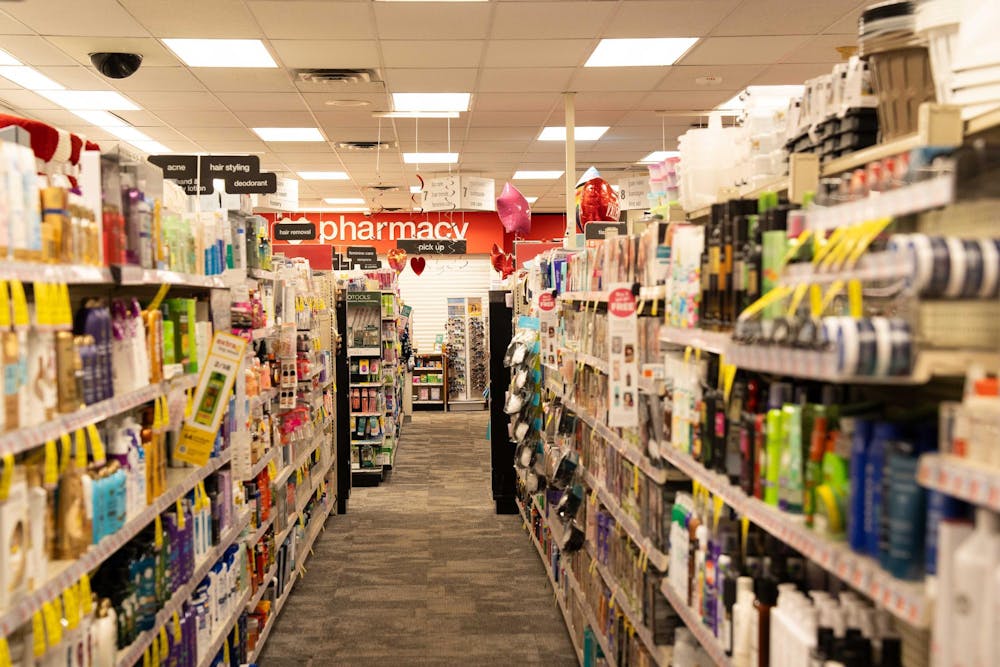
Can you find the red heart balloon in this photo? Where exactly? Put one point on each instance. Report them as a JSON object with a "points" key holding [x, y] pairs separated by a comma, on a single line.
{"points": [[496, 260], [418, 264]]}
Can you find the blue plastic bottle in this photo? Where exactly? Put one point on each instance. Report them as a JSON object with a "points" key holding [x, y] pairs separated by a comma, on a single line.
{"points": [[859, 459], [882, 434]]}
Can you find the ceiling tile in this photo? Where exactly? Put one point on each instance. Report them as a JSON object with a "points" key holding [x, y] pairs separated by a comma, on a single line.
{"points": [[259, 118], [25, 99], [821, 49], [184, 119], [177, 101], [687, 100], [514, 101], [328, 53], [227, 79], [684, 77], [219, 18], [431, 80], [154, 54], [161, 79], [310, 161], [673, 18], [282, 148], [94, 17], [549, 20], [431, 53], [317, 19], [848, 23], [402, 20], [429, 130], [516, 80], [507, 118], [588, 117], [37, 51], [610, 79], [772, 17], [220, 133], [319, 102], [76, 77], [743, 50], [262, 101], [504, 133], [500, 148], [598, 101], [56, 117], [776, 75], [537, 52], [333, 120], [11, 26]]}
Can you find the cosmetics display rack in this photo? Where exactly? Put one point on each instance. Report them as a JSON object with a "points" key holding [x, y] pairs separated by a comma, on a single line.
{"points": [[465, 349], [375, 394], [430, 381]]}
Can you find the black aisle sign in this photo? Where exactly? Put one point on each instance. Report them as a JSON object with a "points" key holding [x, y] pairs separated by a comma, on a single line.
{"points": [[363, 257], [294, 231], [338, 262], [599, 230], [241, 173], [432, 246]]}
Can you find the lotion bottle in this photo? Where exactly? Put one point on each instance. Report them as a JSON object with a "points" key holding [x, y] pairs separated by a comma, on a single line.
{"points": [[975, 563]]}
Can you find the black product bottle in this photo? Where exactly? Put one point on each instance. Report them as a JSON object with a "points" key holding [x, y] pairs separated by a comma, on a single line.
{"points": [[734, 258], [734, 429], [708, 402], [754, 253], [892, 652], [767, 596], [748, 454], [713, 244], [720, 425]]}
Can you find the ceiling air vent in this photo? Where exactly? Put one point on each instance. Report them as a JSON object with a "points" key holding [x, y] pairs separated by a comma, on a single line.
{"points": [[336, 75], [365, 145]]}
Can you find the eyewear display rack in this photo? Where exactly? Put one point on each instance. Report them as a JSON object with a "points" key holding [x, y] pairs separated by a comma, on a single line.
{"points": [[430, 381], [466, 351]]}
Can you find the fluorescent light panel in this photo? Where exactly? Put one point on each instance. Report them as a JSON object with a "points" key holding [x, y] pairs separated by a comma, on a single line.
{"points": [[536, 175], [103, 119], [289, 133], [659, 156], [431, 101], [90, 100], [323, 175], [417, 114], [7, 59], [150, 146], [344, 200], [430, 158], [29, 77], [221, 52], [584, 133], [640, 52]]}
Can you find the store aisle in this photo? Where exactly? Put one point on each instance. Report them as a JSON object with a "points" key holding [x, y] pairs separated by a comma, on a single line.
{"points": [[422, 572]]}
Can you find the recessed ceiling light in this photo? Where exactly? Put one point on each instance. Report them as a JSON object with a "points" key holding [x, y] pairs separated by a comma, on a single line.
{"points": [[151, 147], [415, 189], [430, 158], [641, 52], [99, 118], [28, 77], [344, 200], [127, 133], [431, 101], [7, 59], [591, 133], [350, 104], [536, 175], [323, 175], [221, 52], [658, 156], [417, 114], [289, 133], [84, 100]]}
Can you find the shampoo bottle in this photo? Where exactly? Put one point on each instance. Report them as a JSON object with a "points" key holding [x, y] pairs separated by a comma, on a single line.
{"points": [[774, 442], [971, 599]]}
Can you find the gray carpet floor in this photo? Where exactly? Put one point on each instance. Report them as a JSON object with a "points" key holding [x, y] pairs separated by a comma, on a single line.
{"points": [[421, 571]]}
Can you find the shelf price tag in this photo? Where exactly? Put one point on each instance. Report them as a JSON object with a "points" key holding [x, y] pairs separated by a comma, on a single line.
{"points": [[38, 634], [86, 597]]}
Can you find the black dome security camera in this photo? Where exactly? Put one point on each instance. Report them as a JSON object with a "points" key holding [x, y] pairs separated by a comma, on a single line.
{"points": [[116, 65]]}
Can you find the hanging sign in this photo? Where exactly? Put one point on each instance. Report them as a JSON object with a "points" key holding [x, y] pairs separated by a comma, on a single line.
{"points": [[363, 257], [623, 358], [633, 192], [432, 247], [478, 194], [597, 231], [294, 231], [241, 173], [285, 196], [442, 194]]}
